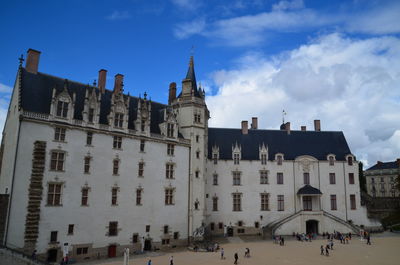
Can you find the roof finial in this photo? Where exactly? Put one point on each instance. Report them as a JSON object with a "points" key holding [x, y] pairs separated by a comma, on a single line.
{"points": [[283, 116], [21, 59], [94, 83], [145, 95]]}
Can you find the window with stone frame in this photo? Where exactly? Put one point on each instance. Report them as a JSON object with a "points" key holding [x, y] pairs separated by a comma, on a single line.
{"points": [[306, 178], [115, 167], [62, 109], [170, 130], [54, 193], [147, 228], [332, 178], [91, 115], [197, 154], [197, 138], [281, 203], [113, 229], [264, 201], [114, 196], [166, 229], [352, 201], [59, 134], [263, 159], [197, 174], [85, 196], [143, 125], [263, 177], [197, 118], [236, 178], [82, 251], [141, 169], [170, 149], [279, 160], [351, 178], [118, 120], [57, 159], [139, 196], [215, 158], [220, 225], [307, 203], [212, 226], [237, 202], [169, 171], [142, 145], [89, 138], [215, 179], [236, 159], [53, 236], [86, 164], [169, 196], [350, 160], [135, 238], [117, 142], [215, 204], [331, 161], [176, 235], [279, 178], [70, 229], [333, 202]]}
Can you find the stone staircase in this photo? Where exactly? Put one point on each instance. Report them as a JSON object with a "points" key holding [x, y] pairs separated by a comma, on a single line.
{"points": [[35, 194], [353, 227]]}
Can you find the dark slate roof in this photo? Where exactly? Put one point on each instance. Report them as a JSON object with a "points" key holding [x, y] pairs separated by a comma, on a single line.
{"points": [[385, 165], [317, 144], [308, 190], [37, 89], [192, 76]]}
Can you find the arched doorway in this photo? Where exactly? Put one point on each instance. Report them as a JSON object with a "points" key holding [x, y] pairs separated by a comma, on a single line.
{"points": [[147, 245], [112, 251], [312, 227], [52, 255], [230, 231]]}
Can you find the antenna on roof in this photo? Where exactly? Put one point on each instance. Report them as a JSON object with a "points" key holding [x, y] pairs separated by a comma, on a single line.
{"points": [[283, 116]]}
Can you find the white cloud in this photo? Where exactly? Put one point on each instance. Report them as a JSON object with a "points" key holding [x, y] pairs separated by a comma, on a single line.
{"points": [[287, 5], [5, 93], [351, 85], [184, 30], [5, 88], [119, 15], [187, 4]]}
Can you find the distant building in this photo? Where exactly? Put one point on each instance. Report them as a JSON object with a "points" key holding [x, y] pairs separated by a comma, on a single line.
{"points": [[91, 171], [381, 179]]}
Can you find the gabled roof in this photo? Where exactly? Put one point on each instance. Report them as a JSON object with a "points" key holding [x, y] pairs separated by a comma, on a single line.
{"points": [[314, 143], [309, 190], [36, 96], [192, 76], [385, 165]]}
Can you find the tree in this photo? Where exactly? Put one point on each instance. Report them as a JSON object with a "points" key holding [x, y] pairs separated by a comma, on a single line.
{"points": [[361, 177]]}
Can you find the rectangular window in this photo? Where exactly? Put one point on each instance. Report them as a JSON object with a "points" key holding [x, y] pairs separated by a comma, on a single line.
{"points": [[59, 134], [62, 109], [352, 201], [113, 229], [89, 138], [198, 154], [170, 149], [333, 202], [91, 115], [331, 161], [237, 202], [215, 204], [70, 229], [54, 194], [140, 169], [350, 161], [143, 125], [117, 142], [306, 177], [279, 159], [135, 238], [197, 138], [332, 178], [281, 203], [57, 160], [220, 225], [197, 118], [114, 196], [115, 166], [85, 196], [138, 196], [118, 120], [169, 171], [53, 236], [264, 202], [236, 159], [263, 159], [82, 251], [307, 203], [197, 174], [165, 241], [170, 130], [147, 228], [212, 226], [215, 159], [256, 224], [166, 229], [169, 196], [86, 165], [142, 144], [176, 235], [236, 178], [351, 178], [263, 177], [279, 178], [215, 179]]}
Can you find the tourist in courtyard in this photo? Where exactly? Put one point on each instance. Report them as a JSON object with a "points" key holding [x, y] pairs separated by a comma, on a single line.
{"points": [[171, 260], [236, 258], [222, 253], [368, 239], [149, 262], [322, 250], [327, 250]]}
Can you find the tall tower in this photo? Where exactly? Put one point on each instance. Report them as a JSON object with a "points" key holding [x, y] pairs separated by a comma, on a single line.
{"points": [[192, 116]]}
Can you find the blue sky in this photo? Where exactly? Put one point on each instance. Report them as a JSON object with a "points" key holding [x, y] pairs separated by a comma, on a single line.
{"points": [[337, 61]]}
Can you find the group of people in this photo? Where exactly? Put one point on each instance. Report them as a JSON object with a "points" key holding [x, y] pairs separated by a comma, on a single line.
{"points": [[279, 240], [305, 237]]}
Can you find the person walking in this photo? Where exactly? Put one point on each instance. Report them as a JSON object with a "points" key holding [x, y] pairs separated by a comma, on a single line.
{"points": [[149, 262], [327, 250], [322, 250], [236, 258], [171, 260], [222, 253], [368, 239]]}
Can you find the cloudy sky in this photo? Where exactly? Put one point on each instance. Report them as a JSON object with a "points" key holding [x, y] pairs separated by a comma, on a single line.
{"points": [[337, 61]]}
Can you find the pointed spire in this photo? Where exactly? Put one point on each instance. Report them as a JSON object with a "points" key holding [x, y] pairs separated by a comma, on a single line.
{"points": [[190, 74]]}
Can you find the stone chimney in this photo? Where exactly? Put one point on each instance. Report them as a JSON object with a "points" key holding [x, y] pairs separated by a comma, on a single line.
{"points": [[317, 125], [172, 92], [245, 127], [118, 83], [398, 162], [254, 123], [102, 80], [304, 128], [287, 127], [379, 162], [32, 61]]}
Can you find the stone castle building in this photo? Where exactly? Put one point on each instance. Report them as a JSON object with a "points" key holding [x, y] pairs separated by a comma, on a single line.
{"points": [[90, 171], [381, 179]]}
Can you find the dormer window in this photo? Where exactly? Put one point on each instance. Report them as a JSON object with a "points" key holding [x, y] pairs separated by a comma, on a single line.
{"points": [[350, 160], [263, 159], [142, 125], [170, 130], [236, 159], [118, 120], [62, 108], [215, 159], [331, 160], [279, 159], [91, 115]]}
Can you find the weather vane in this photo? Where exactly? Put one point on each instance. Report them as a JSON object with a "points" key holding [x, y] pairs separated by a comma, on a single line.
{"points": [[283, 116], [21, 59]]}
